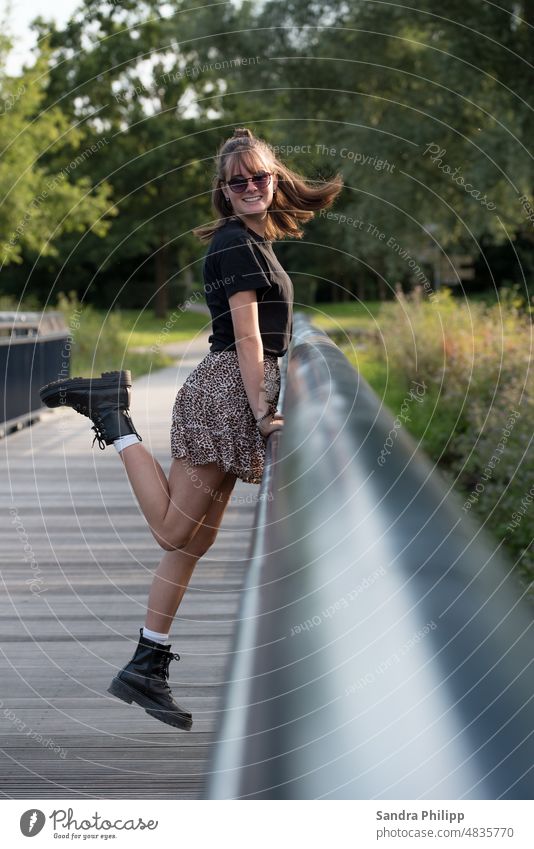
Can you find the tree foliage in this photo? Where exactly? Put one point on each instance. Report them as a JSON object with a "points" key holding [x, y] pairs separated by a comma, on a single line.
{"points": [[43, 193]]}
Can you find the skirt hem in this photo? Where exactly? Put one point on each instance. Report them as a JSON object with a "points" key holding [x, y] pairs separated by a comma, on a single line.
{"points": [[240, 473]]}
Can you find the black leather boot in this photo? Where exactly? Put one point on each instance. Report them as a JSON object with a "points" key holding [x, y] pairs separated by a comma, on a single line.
{"points": [[104, 399], [144, 681]]}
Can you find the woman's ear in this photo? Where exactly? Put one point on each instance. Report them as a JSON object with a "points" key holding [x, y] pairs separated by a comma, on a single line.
{"points": [[275, 182]]}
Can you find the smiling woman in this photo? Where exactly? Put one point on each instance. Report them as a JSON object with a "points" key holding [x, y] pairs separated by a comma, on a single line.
{"points": [[226, 408], [284, 200]]}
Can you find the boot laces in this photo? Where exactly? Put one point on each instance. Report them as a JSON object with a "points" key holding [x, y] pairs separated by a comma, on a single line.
{"points": [[97, 427], [165, 660], [100, 436]]}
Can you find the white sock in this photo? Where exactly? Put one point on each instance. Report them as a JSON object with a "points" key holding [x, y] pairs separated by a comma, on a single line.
{"points": [[123, 441], [153, 635]]}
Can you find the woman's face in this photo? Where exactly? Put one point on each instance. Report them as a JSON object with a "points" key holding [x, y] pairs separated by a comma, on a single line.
{"points": [[253, 202]]}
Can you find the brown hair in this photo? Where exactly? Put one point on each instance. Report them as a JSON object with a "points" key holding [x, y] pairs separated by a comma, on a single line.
{"points": [[296, 199]]}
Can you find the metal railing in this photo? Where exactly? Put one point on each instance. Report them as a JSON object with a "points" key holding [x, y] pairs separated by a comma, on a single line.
{"points": [[383, 649], [33, 351]]}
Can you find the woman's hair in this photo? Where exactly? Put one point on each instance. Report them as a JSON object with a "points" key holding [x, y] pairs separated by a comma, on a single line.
{"points": [[296, 199]]}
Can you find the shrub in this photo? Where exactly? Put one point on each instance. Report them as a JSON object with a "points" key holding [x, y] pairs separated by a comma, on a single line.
{"points": [[476, 416]]}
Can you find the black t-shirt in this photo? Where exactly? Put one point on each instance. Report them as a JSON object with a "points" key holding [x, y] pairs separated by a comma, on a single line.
{"points": [[238, 260]]}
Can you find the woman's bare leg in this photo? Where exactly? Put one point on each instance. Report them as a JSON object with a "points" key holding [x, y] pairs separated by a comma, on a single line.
{"points": [[173, 508], [176, 567]]}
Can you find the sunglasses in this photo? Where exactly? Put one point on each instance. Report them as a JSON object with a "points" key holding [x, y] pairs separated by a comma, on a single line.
{"points": [[239, 184]]}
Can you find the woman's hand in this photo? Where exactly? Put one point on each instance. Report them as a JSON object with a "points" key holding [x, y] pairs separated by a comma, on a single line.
{"points": [[271, 424]]}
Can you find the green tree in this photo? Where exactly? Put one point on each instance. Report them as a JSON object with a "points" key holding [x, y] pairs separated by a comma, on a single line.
{"points": [[41, 201]]}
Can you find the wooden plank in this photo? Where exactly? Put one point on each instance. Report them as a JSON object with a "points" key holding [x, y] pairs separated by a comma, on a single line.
{"points": [[71, 529]]}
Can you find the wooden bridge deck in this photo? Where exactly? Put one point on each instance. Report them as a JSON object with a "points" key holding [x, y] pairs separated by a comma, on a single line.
{"points": [[76, 560]]}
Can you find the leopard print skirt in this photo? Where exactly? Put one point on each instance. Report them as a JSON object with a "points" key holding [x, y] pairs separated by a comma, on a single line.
{"points": [[212, 421]]}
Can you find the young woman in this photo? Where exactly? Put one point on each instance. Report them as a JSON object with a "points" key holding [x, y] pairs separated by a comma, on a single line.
{"points": [[225, 410]]}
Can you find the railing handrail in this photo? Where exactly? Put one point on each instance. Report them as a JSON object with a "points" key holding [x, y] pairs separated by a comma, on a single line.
{"points": [[42, 323], [383, 648]]}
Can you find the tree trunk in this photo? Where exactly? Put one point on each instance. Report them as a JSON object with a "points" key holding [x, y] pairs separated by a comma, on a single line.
{"points": [[161, 299], [382, 288], [380, 272]]}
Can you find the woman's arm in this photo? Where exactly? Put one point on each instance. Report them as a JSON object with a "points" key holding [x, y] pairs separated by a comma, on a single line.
{"points": [[249, 348]]}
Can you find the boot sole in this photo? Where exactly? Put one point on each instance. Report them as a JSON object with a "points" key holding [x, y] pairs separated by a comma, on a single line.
{"points": [[122, 691], [108, 380]]}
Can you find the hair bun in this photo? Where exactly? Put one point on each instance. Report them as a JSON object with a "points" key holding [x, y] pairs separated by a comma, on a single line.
{"points": [[242, 133]]}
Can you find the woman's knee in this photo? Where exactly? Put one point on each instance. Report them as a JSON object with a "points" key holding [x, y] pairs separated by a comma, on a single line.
{"points": [[195, 544], [202, 541], [175, 539]]}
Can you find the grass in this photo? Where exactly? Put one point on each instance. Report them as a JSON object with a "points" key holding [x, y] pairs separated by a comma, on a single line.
{"points": [[145, 330], [354, 316]]}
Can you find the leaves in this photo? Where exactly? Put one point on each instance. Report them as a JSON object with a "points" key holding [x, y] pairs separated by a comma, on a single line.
{"points": [[41, 200]]}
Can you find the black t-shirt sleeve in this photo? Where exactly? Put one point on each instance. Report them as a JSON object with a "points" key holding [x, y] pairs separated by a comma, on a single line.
{"points": [[239, 267]]}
